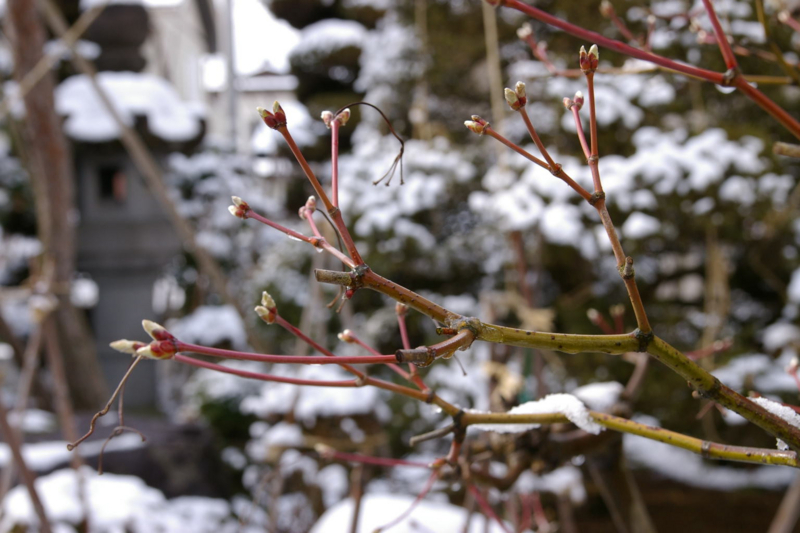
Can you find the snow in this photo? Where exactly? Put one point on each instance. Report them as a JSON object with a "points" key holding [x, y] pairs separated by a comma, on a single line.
{"points": [[84, 293], [113, 500], [308, 403], [262, 41], [793, 290], [44, 456], [638, 226], [15, 252], [117, 504], [759, 371], [566, 404], [133, 95], [267, 442], [779, 335], [33, 421], [377, 510], [600, 396], [782, 411], [334, 482], [329, 35], [689, 468], [210, 325], [563, 480]]}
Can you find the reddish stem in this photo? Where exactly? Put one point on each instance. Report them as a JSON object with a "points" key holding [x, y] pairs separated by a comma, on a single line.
{"points": [[425, 490], [335, 161], [264, 377], [586, 195], [310, 218], [333, 211], [722, 40], [539, 54], [581, 136], [623, 29], [790, 21], [424, 396], [283, 229], [286, 359], [612, 44], [542, 524], [371, 460], [715, 77], [777, 112], [535, 137], [593, 158], [401, 323], [524, 153], [485, 507], [396, 368]]}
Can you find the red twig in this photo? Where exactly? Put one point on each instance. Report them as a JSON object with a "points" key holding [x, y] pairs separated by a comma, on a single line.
{"points": [[425, 490], [335, 161], [722, 40], [263, 377], [286, 359], [329, 453], [485, 507]]}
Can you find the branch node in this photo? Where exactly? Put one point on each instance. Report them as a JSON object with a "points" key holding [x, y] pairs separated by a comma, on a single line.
{"points": [[555, 169], [705, 450], [465, 322], [596, 197], [422, 356], [627, 271], [644, 339], [431, 396], [730, 76]]}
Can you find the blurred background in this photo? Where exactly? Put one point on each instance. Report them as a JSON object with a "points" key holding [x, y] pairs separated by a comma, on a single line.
{"points": [[125, 128]]}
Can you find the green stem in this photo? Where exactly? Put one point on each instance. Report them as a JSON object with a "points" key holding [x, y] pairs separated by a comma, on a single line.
{"points": [[709, 450]]}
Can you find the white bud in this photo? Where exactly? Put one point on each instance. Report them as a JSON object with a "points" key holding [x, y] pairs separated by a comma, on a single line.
{"points": [[519, 88], [126, 346], [524, 31], [267, 301], [154, 329], [511, 96]]}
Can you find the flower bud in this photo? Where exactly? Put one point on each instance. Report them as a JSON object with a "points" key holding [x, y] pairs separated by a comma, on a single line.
{"points": [[476, 125], [567, 103], [126, 346], [311, 204], [346, 336], [589, 61], [578, 99], [267, 301], [274, 120], [156, 331], [606, 9], [327, 117], [157, 350], [343, 117], [519, 88], [401, 309], [593, 315], [524, 31], [511, 98], [239, 208], [265, 314]]}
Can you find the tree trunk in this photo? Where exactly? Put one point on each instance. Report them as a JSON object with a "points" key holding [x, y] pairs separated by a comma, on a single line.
{"points": [[51, 172]]}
